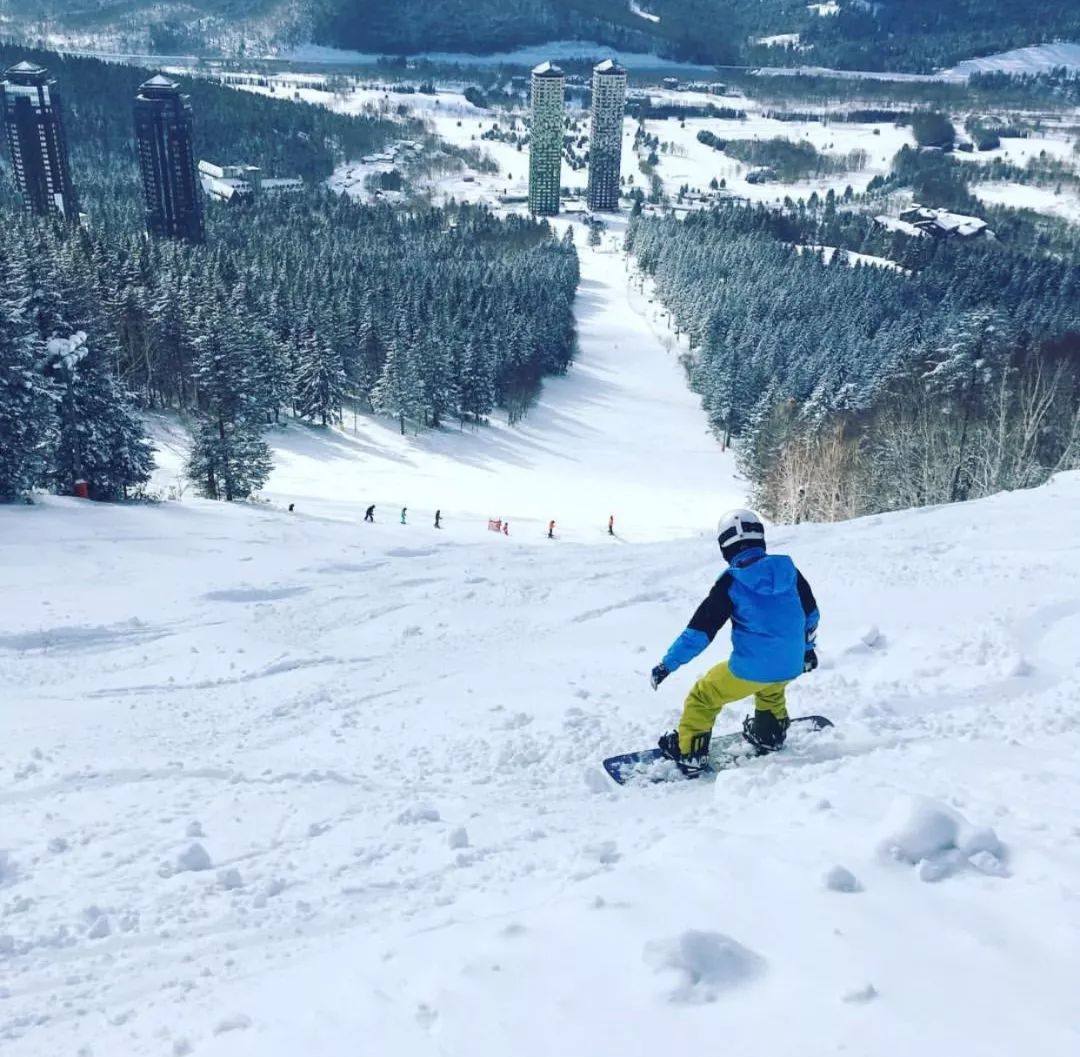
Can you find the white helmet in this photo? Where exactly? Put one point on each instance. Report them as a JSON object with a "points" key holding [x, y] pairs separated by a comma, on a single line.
{"points": [[740, 526]]}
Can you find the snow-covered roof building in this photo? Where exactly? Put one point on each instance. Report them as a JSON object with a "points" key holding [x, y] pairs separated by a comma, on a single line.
{"points": [[940, 223]]}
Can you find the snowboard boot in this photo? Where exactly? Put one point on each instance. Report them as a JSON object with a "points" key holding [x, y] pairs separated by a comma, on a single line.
{"points": [[696, 760], [764, 731]]}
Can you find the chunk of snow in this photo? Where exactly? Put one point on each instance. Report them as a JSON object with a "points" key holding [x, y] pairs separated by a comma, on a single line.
{"points": [[458, 838], [418, 813], [596, 781], [237, 1022], [707, 964], [841, 879], [606, 852], [936, 838], [860, 995], [195, 858], [194, 829], [8, 869], [230, 879]]}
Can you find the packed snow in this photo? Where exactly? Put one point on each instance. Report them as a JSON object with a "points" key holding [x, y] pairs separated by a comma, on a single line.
{"points": [[274, 783]]}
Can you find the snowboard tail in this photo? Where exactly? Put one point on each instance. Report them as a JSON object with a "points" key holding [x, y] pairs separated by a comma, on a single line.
{"points": [[727, 750]]}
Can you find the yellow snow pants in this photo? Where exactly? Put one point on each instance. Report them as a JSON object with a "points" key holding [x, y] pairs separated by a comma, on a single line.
{"points": [[718, 687]]}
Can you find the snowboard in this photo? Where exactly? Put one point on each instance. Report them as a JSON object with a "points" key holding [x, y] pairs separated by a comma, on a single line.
{"points": [[726, 751]]}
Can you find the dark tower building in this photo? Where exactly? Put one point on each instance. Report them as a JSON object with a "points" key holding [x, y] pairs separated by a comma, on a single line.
{"points": [[547, 114], [163, 131], [35, 135], [605, 141]]}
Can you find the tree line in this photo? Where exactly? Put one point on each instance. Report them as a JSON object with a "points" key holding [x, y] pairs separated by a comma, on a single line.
{"points": [[301, 308], [852, 389], [296, 307]]}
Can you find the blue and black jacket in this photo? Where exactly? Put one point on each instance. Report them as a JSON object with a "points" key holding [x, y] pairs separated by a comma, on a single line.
{"points": [[773, 615]]}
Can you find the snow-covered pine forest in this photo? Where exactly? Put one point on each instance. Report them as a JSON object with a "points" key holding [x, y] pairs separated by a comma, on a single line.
{"points": [[855, 388], [301, 307]]}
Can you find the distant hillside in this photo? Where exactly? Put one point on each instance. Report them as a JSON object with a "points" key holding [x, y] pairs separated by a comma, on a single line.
{"points": [[898, 34], [915, 35]]}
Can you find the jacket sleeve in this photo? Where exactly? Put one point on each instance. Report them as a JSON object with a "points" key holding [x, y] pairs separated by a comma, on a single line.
{"points": [[809, 604], [707, 620]]}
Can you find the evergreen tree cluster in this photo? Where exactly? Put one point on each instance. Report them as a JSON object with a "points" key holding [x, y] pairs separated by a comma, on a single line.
{"points": [[785, 346], [65, 415], [296, 307]]}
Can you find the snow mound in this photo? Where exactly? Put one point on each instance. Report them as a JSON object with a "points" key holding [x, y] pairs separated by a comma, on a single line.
{"points": [[841, 879], [8, 870], [195, 858], [938, 840], [707, 964]]}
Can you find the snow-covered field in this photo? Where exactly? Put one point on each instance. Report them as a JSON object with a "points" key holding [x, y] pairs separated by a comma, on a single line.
{"points": [[454, 119], [1065, 205], [1039, 58], [273, 784]]}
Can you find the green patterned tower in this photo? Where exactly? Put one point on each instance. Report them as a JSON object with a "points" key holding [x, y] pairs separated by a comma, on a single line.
{"points": [[605, 139], [546, 139]]}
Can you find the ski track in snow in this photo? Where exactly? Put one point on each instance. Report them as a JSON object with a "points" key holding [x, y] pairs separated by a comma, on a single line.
{"points": [[271, 783]]}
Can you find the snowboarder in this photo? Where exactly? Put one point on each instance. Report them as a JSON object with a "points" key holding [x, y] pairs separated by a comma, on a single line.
{"points": [[611, 525], [291, 505], [551, 530], [438, 519], [369, 514], [404, 511], [774, 620]]}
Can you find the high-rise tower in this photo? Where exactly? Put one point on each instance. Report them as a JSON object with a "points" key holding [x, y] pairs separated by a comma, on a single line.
{"points": [[35, 136], [546, 139], [163, 131], [605, 140]]}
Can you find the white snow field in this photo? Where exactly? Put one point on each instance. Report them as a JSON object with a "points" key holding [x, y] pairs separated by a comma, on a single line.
{"points": [[271, 785]]}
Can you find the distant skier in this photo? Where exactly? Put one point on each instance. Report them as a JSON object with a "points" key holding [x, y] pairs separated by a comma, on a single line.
{"points": [[438, 519], [369, 514], [774, 620], [404, 511], [551, 530], [506, 528], [611, 525], [291, 505]]}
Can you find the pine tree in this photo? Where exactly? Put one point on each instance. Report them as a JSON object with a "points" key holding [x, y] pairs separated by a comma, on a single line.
{"points": [[100, 438], [320, 381], [398, 390], [477, 388], [229, 458], [26, 414]]}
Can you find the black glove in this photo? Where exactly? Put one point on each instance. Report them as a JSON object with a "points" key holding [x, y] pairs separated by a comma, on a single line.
{"points": [[809, 661], [658, 675]]}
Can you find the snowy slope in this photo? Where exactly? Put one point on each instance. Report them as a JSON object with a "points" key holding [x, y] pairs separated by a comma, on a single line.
{"points": [[273, 785], [619, 434]]}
